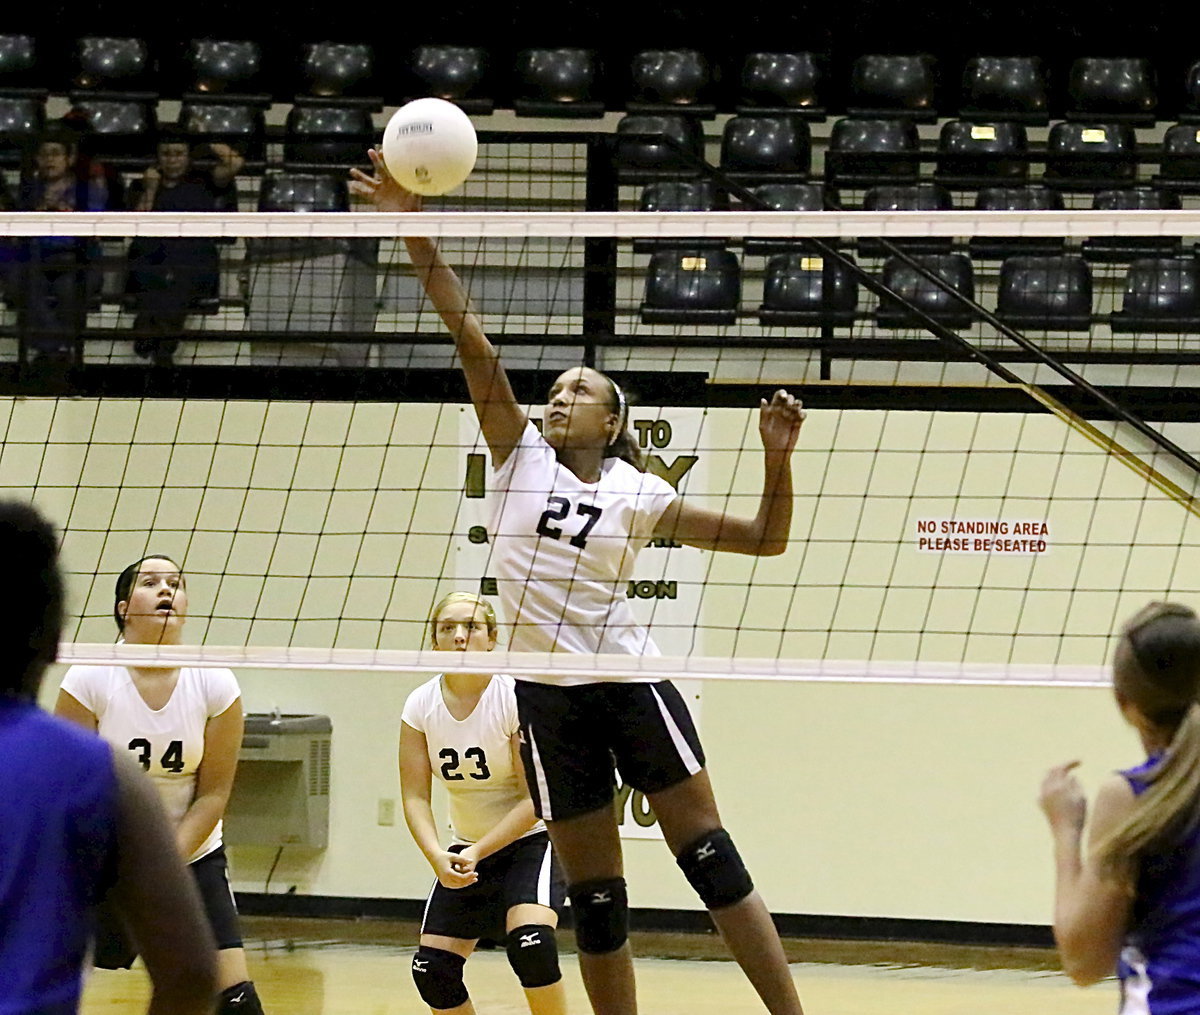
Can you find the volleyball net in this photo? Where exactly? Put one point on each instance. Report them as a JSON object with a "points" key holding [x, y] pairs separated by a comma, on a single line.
{"points": [[997, 467]]}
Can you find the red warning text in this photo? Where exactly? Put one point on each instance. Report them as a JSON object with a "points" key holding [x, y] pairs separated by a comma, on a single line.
{"points": [[980, 535]]}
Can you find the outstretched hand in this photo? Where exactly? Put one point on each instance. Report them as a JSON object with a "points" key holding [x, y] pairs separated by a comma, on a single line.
{"points": [[381, 189], [1062, 799], [779, 421]]}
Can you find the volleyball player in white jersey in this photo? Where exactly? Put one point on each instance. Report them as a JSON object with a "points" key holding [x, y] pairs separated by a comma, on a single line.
{"points": [[573, 509], [498, 877], [184, 727]]}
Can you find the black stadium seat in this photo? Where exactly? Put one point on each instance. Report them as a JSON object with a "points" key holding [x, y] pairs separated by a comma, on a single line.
{"points": [[648, 147], [804, 290], [918, 291], [22, 74], [224, 67], [758, 149], [121, 132], [670, 81], [1112, 89], [974, 154], [919, 197], [241, 126], [557, 83], [1161, 295], [1004, 88], [113, 65], [784, 197], [21, 120], [692, 287], [988, 248], [1046, 293], [1110, 249], [327, 137], [885, 85], [1091, 156], [1179, 164], [866, 152], [337, 69], [456, 73], [782, 83], [680, 195]]}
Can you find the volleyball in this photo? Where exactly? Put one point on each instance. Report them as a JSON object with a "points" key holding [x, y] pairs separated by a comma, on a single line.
{"points": [[429, 146]]}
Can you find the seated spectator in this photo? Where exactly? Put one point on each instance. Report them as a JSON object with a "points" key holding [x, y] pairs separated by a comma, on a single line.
{"points": [[52, 278], [168, 278]]}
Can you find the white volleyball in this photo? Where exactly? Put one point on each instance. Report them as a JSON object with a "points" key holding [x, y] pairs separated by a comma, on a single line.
{"points": [[429, 146]]}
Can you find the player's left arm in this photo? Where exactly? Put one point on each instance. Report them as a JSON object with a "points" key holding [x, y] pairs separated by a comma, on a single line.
{"points": [[766, 534], [514, 824], [1092, 908], [214, 779]]}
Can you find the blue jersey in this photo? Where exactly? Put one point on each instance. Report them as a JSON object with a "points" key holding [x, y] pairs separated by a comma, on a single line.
{"points": [[58, 846], [1160, 961]]}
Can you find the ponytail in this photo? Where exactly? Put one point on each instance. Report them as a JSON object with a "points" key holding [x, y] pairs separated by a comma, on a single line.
{"points": [[624, 445], [1165, 812]]}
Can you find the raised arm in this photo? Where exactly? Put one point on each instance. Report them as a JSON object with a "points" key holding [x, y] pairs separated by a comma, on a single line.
{"points": [[766, 534], [500, 416]]}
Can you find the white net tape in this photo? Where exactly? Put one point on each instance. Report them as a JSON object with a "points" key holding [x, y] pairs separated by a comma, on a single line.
{"points": [[834, 224]]}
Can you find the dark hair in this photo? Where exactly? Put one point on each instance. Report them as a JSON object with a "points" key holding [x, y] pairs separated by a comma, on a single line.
{"points": [[31, 624], [126, 579], [1157, 670], [625, 445]]}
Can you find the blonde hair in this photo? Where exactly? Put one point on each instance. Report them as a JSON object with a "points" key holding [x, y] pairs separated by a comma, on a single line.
{"points": [[1157, 670], [489, 612]]}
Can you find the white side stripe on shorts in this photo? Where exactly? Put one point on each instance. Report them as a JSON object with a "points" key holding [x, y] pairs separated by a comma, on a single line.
{"points": [[543, 787], [543, 886], [428, 900], [677, 738]]}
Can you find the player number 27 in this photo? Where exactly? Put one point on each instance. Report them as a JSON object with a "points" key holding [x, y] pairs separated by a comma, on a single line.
{"points": [[172, 759], [558, 509]]}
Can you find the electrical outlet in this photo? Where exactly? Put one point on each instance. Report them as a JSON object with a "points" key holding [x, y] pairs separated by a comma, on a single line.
{"points": [[387, 811]]}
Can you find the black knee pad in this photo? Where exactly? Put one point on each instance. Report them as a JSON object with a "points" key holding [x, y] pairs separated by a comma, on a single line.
{"points": [[240, 999], [601, 913], [438, 975], [533, 954], [713, 867]]}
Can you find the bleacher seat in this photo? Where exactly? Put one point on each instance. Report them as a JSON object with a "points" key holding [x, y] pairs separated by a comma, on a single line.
{"points": [[1161, 295], [21, 73], [863, 153], [886, 85], [998, 88], [643, 156], [974, 154], [557, 83], [916, 290], [303, 192], [455, 73], [121, 132], [1112, 249], [327, 137], [226, 67], [1179, 164], [1046, 293], [1091, 156], [784, 197], [919, 197], [758, 148], [994, 248], [806, 290], [680, 195], [1112, 89], [782, 83], [670, 81], [241, 126], [337, 70], [692, 287], [1190, 113], [22, 118], [119, 67]]}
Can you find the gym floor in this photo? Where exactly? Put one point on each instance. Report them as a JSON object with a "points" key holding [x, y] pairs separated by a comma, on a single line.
{"points": [[336, 967]]}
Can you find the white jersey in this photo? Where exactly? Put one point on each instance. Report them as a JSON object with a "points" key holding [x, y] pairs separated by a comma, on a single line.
{"points": [[564, 551], [473, 756], [169, 742]]}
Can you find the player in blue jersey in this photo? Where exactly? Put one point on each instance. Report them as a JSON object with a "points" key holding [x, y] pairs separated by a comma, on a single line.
{"points": [[1132, 903], [77, 822]]}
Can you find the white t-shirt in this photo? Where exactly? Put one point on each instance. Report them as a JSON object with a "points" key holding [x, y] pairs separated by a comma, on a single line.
{"points": [[473, 756], [168, 743], [564, 551]]}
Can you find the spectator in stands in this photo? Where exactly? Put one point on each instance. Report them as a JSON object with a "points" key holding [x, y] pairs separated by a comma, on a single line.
{"points": [[53, 277], [168, 278]]}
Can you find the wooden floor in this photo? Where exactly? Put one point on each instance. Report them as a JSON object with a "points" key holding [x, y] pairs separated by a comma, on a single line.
{"points": [[327, 967]]}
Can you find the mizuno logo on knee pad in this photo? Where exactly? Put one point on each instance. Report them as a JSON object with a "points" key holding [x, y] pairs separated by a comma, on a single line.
{"points": [[420, 965], [530, 940], [713, 867], [601, 898]]}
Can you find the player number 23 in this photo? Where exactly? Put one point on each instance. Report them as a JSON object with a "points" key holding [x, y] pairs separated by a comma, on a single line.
{"points": [[558, 508], [450, 770]]}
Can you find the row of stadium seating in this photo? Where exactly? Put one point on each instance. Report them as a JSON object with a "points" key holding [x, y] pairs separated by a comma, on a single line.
{"points": [[703, 287], [571, 82]]}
